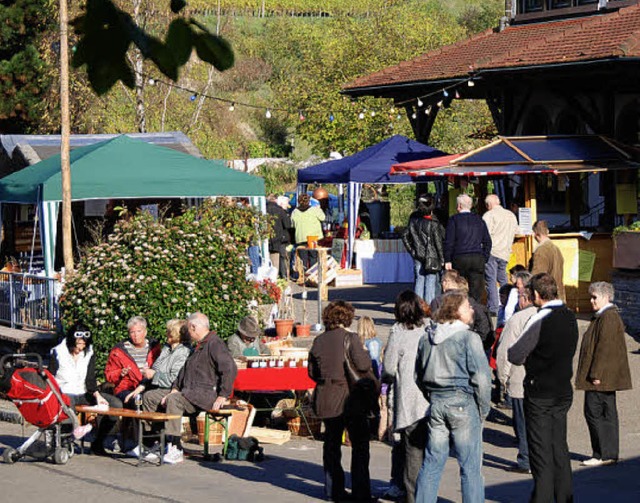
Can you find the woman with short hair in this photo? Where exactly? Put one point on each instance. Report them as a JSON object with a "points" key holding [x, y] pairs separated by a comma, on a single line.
{"points": [[603, 369], [331, 402]]}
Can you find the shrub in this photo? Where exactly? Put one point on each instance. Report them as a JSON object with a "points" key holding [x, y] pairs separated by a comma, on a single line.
{"points": [[161, 270]]}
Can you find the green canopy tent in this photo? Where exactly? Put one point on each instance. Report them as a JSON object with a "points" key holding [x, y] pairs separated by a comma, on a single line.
{"points": [[123, 168]]}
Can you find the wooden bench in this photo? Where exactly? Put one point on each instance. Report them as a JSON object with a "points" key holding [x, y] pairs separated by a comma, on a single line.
{"points": [[138, 417]]}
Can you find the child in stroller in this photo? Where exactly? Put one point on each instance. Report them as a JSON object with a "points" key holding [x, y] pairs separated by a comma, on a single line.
{"points": [[38, 398]]}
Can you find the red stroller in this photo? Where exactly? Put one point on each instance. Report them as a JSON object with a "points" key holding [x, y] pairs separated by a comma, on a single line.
{"points": [[36, 394]]}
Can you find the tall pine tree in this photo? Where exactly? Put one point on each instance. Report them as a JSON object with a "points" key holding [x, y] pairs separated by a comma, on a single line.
{"points": [[24, 75]]}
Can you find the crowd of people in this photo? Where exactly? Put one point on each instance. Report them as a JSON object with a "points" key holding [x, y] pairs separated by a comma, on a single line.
{"points": [[428, 390]]}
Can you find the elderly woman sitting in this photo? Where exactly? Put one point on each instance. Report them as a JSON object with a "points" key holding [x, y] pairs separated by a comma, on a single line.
{"points": [[171, 360], [246, 341]]}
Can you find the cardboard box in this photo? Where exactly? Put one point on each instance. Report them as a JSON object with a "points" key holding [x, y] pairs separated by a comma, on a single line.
{"points": [[348, 277]]}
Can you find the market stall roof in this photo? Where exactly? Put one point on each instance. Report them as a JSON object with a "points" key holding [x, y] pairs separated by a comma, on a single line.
{"points": [[527, 155], [371, 165], [123, 167]]}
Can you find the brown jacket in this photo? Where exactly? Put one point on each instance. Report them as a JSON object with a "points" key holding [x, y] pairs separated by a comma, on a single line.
{"points": [[326, 368], [548, 258], [603, 354]]}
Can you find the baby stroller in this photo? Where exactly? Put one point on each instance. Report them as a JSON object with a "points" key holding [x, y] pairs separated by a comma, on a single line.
{"points": [[36, 394]]}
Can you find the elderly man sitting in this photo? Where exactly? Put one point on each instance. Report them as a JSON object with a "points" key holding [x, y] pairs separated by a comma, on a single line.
{"points": [[204, 383], [130, 361], [246, 341]]}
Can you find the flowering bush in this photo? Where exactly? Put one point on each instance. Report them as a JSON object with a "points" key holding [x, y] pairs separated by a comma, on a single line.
{"points": [[267, 291], [159, 270]]}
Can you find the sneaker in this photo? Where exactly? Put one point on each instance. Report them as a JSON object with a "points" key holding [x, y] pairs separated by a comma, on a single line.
{"points": [[173, 455], [592, 462], [147, 456], [81, 431]]}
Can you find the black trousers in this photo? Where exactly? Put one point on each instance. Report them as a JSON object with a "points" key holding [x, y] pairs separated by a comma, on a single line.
{"points": [[307, 257], [601, 413], [414, 439], [358, 428], [546, 420], [471, 267], [106, 424]]}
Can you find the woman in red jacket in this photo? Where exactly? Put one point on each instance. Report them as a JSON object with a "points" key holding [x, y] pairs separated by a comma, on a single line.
{"points": [[130, 361]]}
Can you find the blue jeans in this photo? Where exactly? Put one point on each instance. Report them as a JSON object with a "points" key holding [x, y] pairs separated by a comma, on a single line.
{"points": [[520, 429], [495, 270], [454, 420], [427, 283]]}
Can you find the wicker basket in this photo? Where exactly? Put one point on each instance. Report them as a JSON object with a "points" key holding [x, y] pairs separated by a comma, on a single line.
{"points": [[297, 426], [216, 432]]}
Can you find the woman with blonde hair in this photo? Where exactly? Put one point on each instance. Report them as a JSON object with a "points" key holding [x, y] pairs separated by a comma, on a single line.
{"points": [[370, 340]]}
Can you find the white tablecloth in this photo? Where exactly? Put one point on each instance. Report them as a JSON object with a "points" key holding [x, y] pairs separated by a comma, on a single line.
{"points": [[383, 261]]}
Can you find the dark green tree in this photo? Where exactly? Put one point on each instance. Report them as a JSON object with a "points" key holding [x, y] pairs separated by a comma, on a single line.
{"points": [[24, 78]]}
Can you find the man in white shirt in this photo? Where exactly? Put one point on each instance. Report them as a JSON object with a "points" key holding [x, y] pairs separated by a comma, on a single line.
{"points": [[502, 225]]}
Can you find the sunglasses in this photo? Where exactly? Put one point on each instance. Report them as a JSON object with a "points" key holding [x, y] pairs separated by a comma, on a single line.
{"points": [[82, 335]]}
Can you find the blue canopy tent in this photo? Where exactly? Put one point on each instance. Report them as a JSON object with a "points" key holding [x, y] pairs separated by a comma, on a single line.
{"points": [[371, 165]]}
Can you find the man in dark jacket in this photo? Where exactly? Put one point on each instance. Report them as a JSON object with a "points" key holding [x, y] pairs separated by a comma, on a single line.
{"points": [[423, 240], [204, 383], [546, 348], [281, 235], [467, 246]]}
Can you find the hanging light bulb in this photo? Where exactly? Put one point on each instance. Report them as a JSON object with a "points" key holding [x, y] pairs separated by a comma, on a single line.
{"points": [[331, 118], [193, 97], [361, 115], [301, 116], [427, 110], [439, 103], [373, 113], [398, 116], [445, 93], [268, 114], [457, 95], [420, 103], [232, 107], [413, 115], [471, 83], [151, 81], [392, 111]]}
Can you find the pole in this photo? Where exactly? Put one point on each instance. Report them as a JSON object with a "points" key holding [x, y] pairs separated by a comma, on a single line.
{"points": [[65, 160]]}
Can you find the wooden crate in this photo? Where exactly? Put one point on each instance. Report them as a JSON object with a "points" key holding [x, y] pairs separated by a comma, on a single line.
{"points": [[348, 277]]}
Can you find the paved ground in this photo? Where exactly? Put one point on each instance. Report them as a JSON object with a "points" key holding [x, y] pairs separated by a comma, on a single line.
{"points": [[293, 472]]}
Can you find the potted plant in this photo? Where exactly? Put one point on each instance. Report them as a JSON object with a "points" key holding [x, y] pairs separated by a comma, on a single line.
{"points": [[267, 298], [285, 317], [626, 246]]}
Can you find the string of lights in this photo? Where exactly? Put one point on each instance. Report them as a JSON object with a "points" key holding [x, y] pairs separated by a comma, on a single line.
{"points": [[302, 113]]}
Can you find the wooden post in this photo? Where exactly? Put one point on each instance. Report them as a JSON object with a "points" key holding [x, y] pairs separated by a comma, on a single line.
{"points": [[530, 202], [65, 160]]}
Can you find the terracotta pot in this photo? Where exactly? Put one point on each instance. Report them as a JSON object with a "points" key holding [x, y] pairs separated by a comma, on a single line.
{"points": [[303, 330], [283, 328]]}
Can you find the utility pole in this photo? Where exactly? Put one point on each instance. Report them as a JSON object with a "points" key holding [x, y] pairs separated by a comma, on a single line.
{"points": [[65, 159]]}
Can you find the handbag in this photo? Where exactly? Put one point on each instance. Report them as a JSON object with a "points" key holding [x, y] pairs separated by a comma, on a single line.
{"points": [[364, 387]]}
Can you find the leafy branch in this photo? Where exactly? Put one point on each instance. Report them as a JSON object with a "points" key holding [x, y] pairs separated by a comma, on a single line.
{"points": [[105, 34]]}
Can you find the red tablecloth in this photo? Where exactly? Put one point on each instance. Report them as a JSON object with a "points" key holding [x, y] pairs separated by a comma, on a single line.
{"points": [[273, 379]]}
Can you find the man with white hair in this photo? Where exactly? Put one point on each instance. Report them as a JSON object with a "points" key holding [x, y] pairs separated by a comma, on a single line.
{"points": [[204, 383], [502, 225], [467, 246]]}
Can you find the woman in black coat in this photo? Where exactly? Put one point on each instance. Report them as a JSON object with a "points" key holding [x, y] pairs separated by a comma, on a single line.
{"points": [[332, 404]]}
